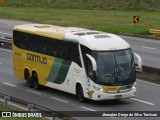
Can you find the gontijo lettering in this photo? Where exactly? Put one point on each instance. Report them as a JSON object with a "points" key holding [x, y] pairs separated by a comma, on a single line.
{"points": [[36, 58]]}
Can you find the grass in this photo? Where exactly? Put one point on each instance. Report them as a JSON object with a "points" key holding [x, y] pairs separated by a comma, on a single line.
{"points": [[3, 109], [110, 20], [147, 5]]}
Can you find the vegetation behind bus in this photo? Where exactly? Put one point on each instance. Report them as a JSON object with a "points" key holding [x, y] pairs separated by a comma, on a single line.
{"points": [[105, 15], [148, 5]]}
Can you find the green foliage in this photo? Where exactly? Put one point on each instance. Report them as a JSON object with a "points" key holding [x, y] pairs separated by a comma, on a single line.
{"points": [[147, 5], [105, 15]]}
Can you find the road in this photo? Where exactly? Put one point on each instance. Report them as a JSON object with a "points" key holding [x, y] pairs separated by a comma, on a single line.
{"points": [[148, 97], [148, 49]]}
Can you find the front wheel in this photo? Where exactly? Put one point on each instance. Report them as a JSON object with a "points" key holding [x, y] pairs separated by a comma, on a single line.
{"points": [[36, 84], [80, 94]]}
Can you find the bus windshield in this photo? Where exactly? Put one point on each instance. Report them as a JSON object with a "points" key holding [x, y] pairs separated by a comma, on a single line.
{"points": [[115, 68]]}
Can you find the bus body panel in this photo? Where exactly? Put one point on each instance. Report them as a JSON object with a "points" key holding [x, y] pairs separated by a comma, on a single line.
{"points": [[26, 59]]}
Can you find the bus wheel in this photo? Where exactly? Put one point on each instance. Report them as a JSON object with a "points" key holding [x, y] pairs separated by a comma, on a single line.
{"points": [[35, 81], [28, 78], [79, 92]]}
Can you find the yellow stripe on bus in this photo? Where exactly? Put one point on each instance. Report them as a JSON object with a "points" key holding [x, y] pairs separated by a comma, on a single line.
{"points": [[110, 88]]}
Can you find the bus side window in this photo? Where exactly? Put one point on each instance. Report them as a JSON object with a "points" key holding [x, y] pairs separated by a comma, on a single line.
{"points": [[87, 62], [74, 53]]}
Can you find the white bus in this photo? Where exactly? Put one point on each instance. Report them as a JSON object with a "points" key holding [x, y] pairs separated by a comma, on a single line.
{"points": [[90, 64]]}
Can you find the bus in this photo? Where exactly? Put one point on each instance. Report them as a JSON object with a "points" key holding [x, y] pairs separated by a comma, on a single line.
{"points": [[88, 63]]}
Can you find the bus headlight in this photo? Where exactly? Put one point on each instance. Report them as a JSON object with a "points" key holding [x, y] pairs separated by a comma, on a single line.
{"points": [[101, 90], [98, 88]]}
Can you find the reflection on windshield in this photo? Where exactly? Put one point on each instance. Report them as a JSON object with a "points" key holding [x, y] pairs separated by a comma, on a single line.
{"points": [[105, 65], [115, 67]]}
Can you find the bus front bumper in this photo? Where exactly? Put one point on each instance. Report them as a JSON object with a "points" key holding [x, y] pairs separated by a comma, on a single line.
{"points": [[101, 95]]}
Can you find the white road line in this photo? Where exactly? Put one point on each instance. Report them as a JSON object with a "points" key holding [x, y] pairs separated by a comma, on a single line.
{"points": [[59, 99], [149, 47], [5, 50], [142, 101], [87, 108], [9, 84], [33, 92], [149, 82]]}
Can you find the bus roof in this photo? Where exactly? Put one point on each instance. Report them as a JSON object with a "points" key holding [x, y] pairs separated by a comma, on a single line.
{"points": [[95, 40]]}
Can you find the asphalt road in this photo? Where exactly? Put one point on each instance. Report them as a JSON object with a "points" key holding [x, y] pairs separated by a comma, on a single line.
{"points": [[147, 99], [148, 49]]}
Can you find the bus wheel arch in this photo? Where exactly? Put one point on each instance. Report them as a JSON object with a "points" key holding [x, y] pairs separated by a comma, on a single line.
{"points": [[80, 93], [35, 80], [28, 78]]}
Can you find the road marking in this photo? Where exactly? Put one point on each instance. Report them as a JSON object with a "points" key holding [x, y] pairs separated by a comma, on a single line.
{"points": [[149, 48], [33, 92], [5, 50], [142, 101], [87, 108], [9, 84], [149, 82], [59, 99]]}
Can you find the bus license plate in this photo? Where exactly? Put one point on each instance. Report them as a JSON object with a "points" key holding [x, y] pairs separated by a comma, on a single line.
{"points": [[118, 96]]}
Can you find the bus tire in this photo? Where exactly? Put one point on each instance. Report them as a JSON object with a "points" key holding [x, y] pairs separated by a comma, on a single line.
{"points": [[79, 93], [28, 79], [35, 79]]}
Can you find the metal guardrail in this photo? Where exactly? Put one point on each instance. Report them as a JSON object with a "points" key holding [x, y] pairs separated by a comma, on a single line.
{"points": [[31, 108], [154, 32], [5, 40]]}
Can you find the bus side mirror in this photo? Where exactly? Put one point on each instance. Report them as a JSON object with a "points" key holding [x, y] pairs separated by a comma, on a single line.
{"points": [[139, 65], [94, 65]]}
